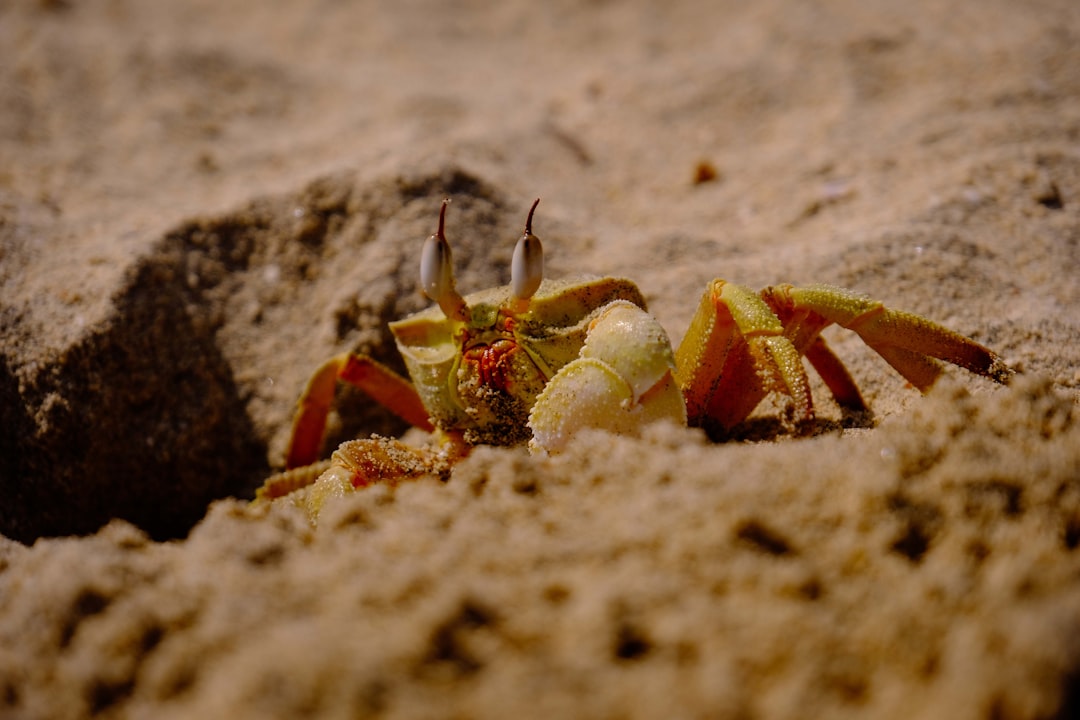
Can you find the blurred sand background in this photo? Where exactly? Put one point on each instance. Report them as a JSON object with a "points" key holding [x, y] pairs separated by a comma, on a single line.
{"points": [[201, 201]]}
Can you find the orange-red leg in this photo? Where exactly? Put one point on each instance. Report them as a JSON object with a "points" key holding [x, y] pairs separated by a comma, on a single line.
{"points": [[742, 345], [735, 353], [380, 382], [837, 378], [912, 344], [357, 464]]}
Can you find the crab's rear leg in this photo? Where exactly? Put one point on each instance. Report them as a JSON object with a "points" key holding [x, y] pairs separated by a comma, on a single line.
{"points": [[736, 352], [910, 343], [386, 387], [836, 376]]}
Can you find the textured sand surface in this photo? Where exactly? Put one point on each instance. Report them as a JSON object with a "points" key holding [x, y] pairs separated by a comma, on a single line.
{"points": [[200, 202]]}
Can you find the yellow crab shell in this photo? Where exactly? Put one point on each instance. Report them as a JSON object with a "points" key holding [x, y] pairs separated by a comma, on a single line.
{"points": [[551, 332]]}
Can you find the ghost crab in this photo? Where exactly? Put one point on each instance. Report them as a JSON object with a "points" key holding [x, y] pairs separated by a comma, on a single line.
{"points": [[539, 359]]}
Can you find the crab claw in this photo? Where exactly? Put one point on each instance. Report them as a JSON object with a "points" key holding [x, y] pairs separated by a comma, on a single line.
{"points": [[622, 381]]}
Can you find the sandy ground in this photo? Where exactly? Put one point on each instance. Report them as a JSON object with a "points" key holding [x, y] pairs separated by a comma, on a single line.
{"points": [[201, 201]]}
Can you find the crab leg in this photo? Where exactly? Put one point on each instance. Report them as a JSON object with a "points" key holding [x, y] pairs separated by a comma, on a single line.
{"points": [[910, 343], [735, 352], [282, 483], [359, 463], [385, 386], [836, 376]]}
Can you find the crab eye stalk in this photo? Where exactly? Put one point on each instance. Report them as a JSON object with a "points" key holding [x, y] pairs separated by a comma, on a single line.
{"points": [[437, 272], [527, 265]]}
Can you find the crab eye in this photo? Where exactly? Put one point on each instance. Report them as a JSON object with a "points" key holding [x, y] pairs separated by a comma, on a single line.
{"points": [[527, 265], [437, 272]]}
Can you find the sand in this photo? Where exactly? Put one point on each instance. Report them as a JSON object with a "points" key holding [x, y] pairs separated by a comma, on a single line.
{"points": [[199, 202]]}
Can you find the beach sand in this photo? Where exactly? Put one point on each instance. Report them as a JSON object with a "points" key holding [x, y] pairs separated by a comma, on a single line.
{"points": [[200, 202]]}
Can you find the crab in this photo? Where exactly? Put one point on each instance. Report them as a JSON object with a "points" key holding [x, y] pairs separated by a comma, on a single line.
{"points": [[536, 361]]}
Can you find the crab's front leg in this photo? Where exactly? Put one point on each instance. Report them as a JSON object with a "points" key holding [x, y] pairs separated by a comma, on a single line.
{"points": [[357, 464], [622, 380], [385, 386]]}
